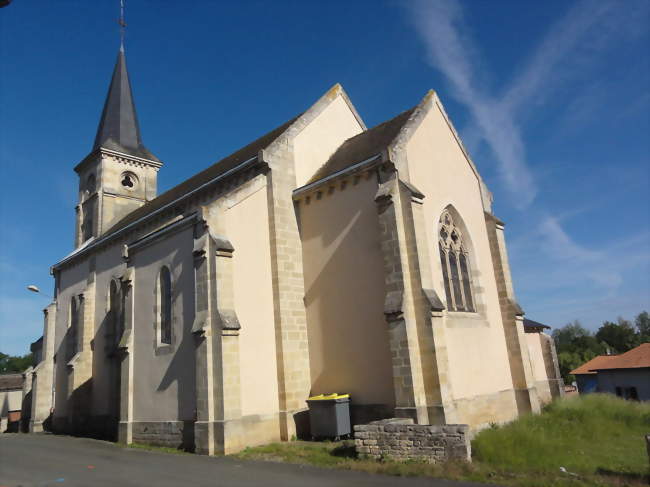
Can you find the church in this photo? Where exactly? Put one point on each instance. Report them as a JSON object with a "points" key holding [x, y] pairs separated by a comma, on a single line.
{"points": [[324, 256]]}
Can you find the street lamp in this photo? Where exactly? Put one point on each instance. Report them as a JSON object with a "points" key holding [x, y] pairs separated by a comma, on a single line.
{"points": [[35, 289]]}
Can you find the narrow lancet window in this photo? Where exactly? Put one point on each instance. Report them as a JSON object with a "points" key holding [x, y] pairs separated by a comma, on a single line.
{"points": [[467, 287], [445, 273], [165, 306], [454, 259], [115, 320], [73, 330]]}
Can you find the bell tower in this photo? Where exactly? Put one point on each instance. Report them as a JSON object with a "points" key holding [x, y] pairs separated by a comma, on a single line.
{"points": [[120, 174]]}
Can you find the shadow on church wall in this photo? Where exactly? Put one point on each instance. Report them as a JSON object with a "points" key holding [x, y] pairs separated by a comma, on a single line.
{"points": [[353, 351]]}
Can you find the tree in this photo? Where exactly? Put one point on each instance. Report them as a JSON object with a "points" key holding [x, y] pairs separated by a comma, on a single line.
{"points": [[620, 336], [9, 364], [575, 345], [566, 336], [642, 323]]}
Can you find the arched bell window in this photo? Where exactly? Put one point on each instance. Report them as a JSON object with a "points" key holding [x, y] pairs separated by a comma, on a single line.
{"points": [[165, 306], [454, 258]]}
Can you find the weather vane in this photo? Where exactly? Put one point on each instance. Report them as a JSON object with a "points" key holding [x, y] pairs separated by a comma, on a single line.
{"points": [[122, 25]]}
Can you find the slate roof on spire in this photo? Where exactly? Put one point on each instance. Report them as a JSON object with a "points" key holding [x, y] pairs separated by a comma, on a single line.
{"points": [[118, 127]]}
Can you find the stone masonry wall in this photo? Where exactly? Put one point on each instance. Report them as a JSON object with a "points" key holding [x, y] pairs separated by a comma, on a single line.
{"points": [[171, 434], [400, 439]]}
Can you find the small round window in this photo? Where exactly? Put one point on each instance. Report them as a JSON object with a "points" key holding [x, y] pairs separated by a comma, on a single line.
{"points": [[129, 180]]}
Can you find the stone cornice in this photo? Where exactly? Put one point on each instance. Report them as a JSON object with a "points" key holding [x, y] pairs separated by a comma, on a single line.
{"points": [[120, 157]]}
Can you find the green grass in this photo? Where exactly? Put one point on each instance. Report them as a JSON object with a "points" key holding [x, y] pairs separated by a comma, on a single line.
{"points": [[586, 435], [154, 448], [598, 438]]}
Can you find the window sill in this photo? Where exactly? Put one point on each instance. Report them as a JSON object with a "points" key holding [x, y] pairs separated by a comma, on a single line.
{"points": [[466, 319], [163, 348], [464, 313], [73, 360]]}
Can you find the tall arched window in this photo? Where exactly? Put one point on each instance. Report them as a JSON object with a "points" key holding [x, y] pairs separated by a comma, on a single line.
{"points": [[454, 257], [115, 317], [73, 329], [165, 306]]}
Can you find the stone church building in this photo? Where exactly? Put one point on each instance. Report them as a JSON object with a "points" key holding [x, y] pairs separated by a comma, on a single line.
{"points": [[322, 257]]}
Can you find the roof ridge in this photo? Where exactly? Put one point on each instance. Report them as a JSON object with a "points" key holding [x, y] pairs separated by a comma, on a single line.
{"points": [[212, 166], [353, 149]]}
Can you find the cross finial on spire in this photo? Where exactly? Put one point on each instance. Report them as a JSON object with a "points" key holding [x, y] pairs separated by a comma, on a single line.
{"points": [[122, 25]]}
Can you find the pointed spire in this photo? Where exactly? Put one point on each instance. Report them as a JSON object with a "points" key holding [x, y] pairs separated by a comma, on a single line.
{"points": [[118, 127]]}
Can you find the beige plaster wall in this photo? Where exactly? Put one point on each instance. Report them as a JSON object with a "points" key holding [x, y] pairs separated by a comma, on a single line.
{"points": [[318, 140], [482, 410], [535, 349], [109, 265], [164, 382], [248, 231], [541, 358], [72, 281], [10, 401], [478, 359], [550, 358], [344, 293]]}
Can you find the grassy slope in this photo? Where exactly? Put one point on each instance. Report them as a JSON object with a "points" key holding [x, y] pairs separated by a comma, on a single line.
{"points": [[591, 434], [598, 438]]}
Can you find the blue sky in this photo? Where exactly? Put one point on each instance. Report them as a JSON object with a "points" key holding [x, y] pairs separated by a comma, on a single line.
{"points": [[552, 99]]}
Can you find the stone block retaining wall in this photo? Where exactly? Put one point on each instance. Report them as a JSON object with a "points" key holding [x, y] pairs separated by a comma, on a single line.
{"points": [[400, 439], [171, 434]]}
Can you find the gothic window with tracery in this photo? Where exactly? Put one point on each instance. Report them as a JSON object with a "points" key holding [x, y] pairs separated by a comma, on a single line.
{"points": [[454, 258]]}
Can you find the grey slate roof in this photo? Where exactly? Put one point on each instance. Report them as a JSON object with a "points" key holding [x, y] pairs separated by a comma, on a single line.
{"points": [[215, 170], [363, 146], [11, 382], [530, 325], [118, 127]]}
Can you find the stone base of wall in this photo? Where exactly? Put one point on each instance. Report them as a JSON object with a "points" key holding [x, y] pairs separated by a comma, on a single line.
{"points": [[234, 435], [557, 387], [41, 426], [102, 427], [480, 412], [400, 439], [59, 424], [365, 413], [543, 391], [172, 434], [260, 429]]}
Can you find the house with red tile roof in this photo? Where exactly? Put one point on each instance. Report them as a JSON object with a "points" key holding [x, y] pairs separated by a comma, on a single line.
{"points": [[627, 375]]}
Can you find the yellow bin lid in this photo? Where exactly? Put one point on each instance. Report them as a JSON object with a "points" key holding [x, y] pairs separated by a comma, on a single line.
{"points": [[328, 397]]}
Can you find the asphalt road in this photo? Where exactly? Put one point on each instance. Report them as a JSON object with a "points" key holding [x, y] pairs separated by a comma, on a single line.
{"points": [[62, 461]]}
